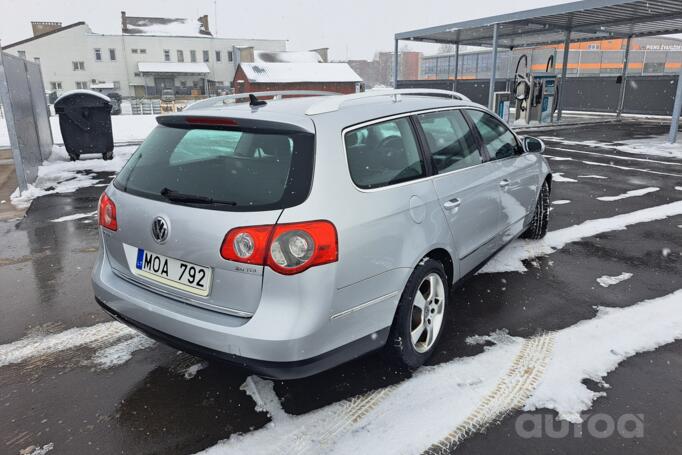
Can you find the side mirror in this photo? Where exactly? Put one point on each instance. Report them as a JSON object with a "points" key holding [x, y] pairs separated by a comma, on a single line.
{"points": [[533, 145]]}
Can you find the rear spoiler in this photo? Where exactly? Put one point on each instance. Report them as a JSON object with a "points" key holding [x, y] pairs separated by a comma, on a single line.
{"points": [[248, 125]]}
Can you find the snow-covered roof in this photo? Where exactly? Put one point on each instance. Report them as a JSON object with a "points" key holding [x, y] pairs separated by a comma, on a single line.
{"points": [[299, 72], [162, 26], [172, 67], [287, 57]]}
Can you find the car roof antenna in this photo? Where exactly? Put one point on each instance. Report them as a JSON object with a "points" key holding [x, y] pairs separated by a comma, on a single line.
{"points": [[253, 101]]}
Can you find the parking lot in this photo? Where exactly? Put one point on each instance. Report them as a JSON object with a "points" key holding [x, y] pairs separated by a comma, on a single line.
{"points": [[73, 381]]}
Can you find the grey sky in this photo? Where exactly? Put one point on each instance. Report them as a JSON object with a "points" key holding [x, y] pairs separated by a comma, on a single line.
{"points": [[350, 28]]}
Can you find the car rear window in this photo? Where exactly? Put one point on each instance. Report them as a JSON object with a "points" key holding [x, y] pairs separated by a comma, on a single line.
{"points": [[221, 169]]}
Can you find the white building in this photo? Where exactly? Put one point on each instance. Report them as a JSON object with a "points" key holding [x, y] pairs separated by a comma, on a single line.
{"points": [[151, 54]]}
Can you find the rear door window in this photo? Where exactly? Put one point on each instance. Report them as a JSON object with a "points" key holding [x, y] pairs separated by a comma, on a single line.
{"points": [[384, 154], [221, 169], [451, 142]]}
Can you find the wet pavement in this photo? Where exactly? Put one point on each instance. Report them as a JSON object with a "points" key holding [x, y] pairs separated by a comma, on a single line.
{"points": [[148, 404]]}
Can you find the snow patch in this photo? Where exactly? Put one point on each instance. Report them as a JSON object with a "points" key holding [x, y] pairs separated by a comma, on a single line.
{"points": [[36, 345], [75, 216], [592, 176], [192, 370], [511, 257], [606, 281], [561, 202], [465, 395], [559, 177], [37, 450], [631, 193], [120, 353]]}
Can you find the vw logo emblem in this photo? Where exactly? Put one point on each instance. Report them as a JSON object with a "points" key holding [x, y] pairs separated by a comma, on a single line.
{"points": [[160, 229]]}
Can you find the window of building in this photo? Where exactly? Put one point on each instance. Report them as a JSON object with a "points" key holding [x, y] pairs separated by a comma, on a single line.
{"points": [[183, 84], [383, 154], [81, 85], [143, 51], [451, 141], [192, 56], [218, 57], [229, 56], [37, 60], [134, 51], [166, 55], [181, 56], [205, 56], [117, 85], [593, 46], [112, 54], [21, 54], [98, 55], [56, 85], [499, 141], [78, 66]]}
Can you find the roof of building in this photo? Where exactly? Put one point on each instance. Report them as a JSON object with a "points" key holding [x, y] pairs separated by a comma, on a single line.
{"points": [[586, 20], [299, 72], [43, 35], [172, 68], [163, 26], [287, 57]]}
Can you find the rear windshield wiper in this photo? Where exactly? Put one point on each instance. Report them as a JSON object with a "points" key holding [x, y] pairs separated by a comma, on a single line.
{"points": [[176, 196]]}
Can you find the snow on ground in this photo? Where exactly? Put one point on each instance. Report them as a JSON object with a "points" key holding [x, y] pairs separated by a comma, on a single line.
{"points": [[559, 177], [125, 128], [511, 257], [631, 193], [60, 175], [37, 450], [121, 352], [38, 344], [75, 216], [561, 202], [466, 395], [592, 176], [678, 188], [192, 370], [651, 146], [606, 281]]}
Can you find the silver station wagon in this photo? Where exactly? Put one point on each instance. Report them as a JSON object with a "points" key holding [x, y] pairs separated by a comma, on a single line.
{"points": [[292, 235]]}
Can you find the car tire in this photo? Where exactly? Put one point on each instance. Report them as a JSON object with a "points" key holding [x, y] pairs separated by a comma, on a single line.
{"points": [[422, 307], [538, 226]]}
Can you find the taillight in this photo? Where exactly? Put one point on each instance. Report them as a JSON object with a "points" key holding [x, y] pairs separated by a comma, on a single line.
{"points": [[107, 213], [285, 248]]}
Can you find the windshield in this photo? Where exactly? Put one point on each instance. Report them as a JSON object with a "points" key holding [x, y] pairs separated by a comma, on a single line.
{"points": [[221, 169]]}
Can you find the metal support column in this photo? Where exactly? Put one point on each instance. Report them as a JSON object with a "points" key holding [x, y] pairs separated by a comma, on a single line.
{"points": [[677, 109], [564, 70], [396, 61], [493, 72], [454, 85], [624, 80]]}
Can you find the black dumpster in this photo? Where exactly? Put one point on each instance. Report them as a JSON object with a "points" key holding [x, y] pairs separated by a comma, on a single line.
{"points": [[85, 123]]}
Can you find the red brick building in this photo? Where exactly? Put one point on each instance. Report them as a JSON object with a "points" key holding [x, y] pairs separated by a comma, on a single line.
{"points": [[262, 77]]}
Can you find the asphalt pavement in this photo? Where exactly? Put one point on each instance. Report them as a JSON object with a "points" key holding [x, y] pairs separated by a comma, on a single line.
{"points": [[150, 404]]}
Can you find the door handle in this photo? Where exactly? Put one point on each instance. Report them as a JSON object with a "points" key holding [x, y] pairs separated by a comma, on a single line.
{"points": [[452, 204], [504, 183]]}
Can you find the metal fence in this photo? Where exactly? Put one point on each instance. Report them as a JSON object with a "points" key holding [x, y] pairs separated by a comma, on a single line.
{"points": [[22, 94], [647, 95]]}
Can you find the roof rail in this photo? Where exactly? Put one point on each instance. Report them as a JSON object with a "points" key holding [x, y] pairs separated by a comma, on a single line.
{"points": [[334, 103], [218, 101]]}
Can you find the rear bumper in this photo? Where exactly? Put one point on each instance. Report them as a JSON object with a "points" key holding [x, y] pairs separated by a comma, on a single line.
{"points": [[291, 335], [269, 369]]}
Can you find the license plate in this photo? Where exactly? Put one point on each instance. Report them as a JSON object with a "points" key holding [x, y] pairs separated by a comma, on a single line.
{"points": [[173, 272]]}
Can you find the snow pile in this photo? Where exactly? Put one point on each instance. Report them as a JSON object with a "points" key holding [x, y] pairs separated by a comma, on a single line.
{"points": [[60, 175], [465, 395], [511, 257], [631, 193], [606, 281]]}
